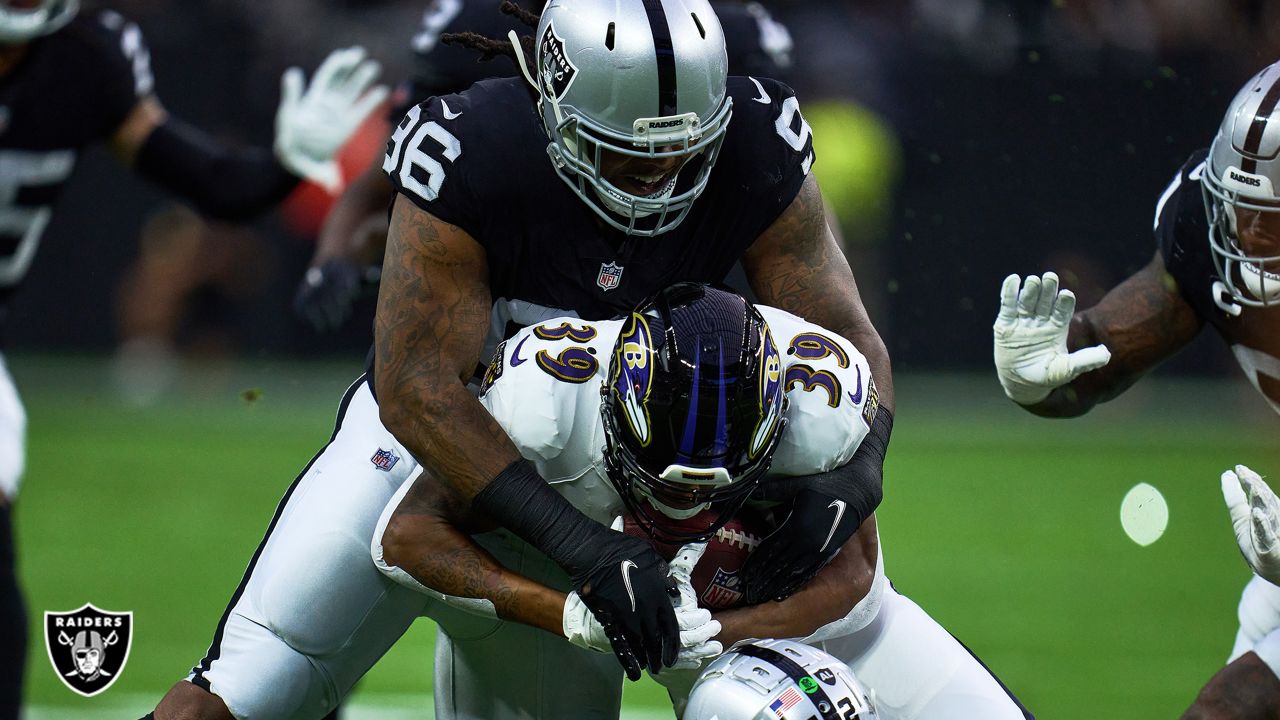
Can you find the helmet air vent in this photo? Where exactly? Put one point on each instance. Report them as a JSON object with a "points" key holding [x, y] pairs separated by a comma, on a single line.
{"points": [[608, 37], [701, 30]]}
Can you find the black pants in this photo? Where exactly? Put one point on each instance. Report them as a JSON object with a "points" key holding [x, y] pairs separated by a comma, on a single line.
{"points": [[13, 622]]}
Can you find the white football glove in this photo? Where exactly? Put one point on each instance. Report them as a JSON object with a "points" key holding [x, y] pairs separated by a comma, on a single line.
{"points": [[312, 126], [1255, 517], [697, 627], [1031, 339]]}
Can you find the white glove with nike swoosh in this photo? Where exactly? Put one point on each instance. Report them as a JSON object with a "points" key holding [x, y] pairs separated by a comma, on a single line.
{"points": [[1031, 339], [1255, 517], [312, 126]]}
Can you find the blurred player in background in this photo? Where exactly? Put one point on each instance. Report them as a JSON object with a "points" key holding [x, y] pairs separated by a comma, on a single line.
{"points": [[70, 79], [692, 407], [349, 250], [1217, 262]]}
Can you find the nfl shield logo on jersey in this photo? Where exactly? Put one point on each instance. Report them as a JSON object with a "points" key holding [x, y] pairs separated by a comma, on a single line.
{"points": [[609, 277], [385, 459], [88, 647]]}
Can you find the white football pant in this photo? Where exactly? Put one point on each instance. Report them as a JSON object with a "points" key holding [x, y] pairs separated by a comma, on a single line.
{"points": [[313, 613]]}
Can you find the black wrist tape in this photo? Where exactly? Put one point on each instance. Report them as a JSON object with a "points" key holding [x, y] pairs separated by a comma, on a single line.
{"points": [[860, 482], [521, 501]]}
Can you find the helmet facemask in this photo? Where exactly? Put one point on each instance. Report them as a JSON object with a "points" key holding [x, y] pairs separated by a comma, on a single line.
{"points": [[686, 431], [1252, 278], [19, 25]]}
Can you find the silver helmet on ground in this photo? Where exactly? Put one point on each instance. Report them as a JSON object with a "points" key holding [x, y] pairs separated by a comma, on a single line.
{"points": [[778, 680], [633, 97], [1241, 186], [27, 21]]}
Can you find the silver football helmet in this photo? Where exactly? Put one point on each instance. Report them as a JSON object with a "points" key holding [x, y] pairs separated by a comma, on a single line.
{"points": [[1241, 185], [639, 85], [20, 24], [778, 680]]}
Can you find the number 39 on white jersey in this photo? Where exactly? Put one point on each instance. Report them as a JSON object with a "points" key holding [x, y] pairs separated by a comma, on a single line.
{"points": [[543, 386]]}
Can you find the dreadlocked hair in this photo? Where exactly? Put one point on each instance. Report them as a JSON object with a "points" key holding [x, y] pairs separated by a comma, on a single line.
{"points": [[491, 48]]}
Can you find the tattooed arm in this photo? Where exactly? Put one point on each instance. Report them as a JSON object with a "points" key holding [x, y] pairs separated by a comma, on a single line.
{"points": [[427, 537], [433, 313], [1142, 321], [797, 265]]}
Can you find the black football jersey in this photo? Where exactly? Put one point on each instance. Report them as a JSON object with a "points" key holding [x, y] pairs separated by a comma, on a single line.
{"points": [[478, 160], [73, 87], [1182, 232], [757, 45]]}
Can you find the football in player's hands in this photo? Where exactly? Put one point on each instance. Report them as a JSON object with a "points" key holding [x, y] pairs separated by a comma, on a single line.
{"points": [[716, 576]]}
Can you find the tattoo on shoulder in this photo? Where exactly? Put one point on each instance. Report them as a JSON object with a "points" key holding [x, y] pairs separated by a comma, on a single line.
{"points": [[800, 268]]}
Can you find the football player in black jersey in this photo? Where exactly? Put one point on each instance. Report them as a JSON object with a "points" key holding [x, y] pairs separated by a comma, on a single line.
{"points": [[68, 80], [627, 159], [354, 234], [1217, 263]]}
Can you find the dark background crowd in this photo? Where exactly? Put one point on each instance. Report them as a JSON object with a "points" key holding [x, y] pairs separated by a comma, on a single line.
{"points": [[958, 140]]}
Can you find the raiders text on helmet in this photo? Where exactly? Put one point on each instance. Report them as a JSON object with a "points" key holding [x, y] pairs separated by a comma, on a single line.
{"points": [[1240, 180], [693, 408], [780, 679], [20, 25], [638, 79]]}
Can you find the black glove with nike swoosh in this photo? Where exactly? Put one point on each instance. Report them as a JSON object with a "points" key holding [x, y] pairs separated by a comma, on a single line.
{"points": [[628, 592], [825, 513]]}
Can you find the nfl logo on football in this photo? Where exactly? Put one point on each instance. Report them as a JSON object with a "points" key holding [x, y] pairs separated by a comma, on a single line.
{"points": [[88, 647], [609, 277]]}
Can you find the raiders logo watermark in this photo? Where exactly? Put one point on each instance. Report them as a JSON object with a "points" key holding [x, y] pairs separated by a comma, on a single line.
{"points": [[88, 647], [556, 69]]}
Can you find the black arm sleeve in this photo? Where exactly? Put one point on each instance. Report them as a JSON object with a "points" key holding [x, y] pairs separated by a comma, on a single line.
{"points": [[859, 482], [521, 501], [223, 182]]}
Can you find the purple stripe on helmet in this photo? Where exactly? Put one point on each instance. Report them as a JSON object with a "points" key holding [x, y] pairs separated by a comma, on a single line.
{"points": [[691, 420], [722, 412]]}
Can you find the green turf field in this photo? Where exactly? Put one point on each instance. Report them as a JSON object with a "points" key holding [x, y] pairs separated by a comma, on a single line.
{"points": [[1003, 526]]}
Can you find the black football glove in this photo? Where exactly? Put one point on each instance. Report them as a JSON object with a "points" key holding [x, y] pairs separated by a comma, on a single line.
{"points": [[627, 590], [807, 540], [327, 293], [827, 510]]}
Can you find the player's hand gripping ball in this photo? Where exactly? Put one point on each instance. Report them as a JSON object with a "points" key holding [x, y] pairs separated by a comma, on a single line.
{"points": [[716, 576]]}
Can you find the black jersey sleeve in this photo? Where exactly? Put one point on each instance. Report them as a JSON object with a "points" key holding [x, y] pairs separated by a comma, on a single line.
{"points": [[767, 154], [120, 67], [1182, 235], [427, 158]]}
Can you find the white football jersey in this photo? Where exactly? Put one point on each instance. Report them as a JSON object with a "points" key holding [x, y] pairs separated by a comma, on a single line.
{"points": [[544, 387]]}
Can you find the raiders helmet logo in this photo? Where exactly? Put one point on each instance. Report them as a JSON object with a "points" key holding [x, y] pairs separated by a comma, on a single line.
{"points": [[556, 70], [88, 647]]}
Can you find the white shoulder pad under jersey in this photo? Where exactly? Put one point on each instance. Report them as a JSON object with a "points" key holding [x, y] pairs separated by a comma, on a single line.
{"points": [[543, 387], [831, 399]]}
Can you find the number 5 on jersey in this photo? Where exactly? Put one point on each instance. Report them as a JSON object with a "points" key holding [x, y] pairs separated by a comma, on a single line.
{"points": [[411, 156]]}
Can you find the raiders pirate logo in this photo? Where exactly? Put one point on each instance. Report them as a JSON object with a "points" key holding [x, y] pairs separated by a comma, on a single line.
{"points": [[556, 69], [88, 647]]}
